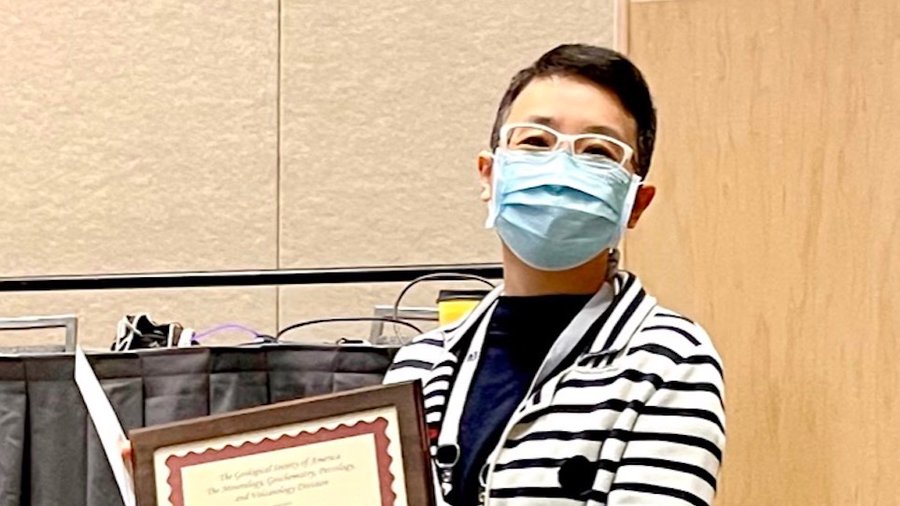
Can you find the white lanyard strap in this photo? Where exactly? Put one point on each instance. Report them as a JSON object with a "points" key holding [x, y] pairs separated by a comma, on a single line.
{"points": [[572, 335], [449, 434], [448, 437]]}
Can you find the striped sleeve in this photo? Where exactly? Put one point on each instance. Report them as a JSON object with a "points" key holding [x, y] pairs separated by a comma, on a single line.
{"points": [[415, 360], [675, 450]]}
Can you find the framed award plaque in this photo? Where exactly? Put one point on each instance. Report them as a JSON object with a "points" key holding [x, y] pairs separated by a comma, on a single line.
{"points": [[364, 447]]}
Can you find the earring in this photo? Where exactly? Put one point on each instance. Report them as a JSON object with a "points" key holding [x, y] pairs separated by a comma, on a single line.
{"points": [[612, 263]]}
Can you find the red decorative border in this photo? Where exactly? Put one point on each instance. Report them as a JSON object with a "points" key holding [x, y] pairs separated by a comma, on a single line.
{"points": [[376, 427]]}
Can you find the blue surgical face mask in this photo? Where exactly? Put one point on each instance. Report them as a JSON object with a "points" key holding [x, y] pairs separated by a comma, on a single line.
{"points": [[555, 210]]}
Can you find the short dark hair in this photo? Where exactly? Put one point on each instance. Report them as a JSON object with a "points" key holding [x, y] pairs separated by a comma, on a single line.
{"points": [[608, 69]]}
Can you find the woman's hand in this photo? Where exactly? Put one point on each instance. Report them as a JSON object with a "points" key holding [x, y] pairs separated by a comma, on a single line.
{"points": [[128, 456]]}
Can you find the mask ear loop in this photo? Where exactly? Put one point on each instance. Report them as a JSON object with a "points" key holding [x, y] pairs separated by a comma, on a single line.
{"points": [[628, 206], [493, 208], [614, 255]]}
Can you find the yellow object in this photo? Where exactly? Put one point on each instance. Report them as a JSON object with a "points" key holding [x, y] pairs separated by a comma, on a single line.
{"points": [[456, 304]]}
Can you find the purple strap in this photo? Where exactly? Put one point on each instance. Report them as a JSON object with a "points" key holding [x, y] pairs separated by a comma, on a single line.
{"points": [[218, 329]]}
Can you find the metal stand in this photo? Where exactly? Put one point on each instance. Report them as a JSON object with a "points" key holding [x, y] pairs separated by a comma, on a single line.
{"points": [[69, 322]]}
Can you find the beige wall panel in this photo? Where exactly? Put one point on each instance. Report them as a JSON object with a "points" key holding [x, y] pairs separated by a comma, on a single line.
{"points": [[385, 106], [138, 136], [777, 225], [99, 311]]}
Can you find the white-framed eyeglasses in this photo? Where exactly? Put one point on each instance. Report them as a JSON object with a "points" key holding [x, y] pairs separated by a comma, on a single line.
{"points": [[536, 137]]}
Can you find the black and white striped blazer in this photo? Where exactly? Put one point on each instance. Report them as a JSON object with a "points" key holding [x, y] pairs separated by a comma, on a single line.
{"points": [[638, 419]]}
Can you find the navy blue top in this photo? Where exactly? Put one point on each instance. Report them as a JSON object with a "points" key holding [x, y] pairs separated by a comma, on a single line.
{"points": [[519, 336]]}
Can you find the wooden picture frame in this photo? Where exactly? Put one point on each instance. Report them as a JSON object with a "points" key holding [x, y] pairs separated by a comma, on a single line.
{"points": [[291, 452]]}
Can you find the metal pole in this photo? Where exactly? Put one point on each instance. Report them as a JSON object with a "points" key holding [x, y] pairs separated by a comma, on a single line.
{"points": [[202, 279]]}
